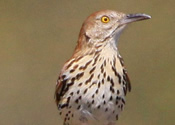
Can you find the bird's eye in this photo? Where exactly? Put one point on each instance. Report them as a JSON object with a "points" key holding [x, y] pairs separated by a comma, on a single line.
{"points": [[105, 19]]}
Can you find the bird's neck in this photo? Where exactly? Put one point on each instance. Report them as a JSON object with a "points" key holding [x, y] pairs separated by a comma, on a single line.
{"points": [[93, 46], [104, 50]]}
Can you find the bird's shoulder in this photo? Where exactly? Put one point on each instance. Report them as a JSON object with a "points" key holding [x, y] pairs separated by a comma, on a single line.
{"points": [[65, 80]]}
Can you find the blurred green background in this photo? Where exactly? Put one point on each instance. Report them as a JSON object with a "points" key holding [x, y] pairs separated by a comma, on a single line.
{"points": [[38, 36]]}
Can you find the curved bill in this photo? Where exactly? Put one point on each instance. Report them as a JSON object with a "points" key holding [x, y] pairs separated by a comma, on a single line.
{"points": [[133, 18]]}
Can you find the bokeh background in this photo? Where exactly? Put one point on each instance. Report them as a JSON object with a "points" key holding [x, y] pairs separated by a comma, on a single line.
{"points": [[38, 36]]}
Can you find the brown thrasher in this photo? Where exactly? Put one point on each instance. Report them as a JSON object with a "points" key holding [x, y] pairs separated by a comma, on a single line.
{"points": [[92, 85]]}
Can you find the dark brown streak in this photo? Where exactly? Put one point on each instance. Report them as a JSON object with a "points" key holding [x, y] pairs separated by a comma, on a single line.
{"points": [[79, 75], [79, 58], [92, 70], [104, 63], [114, 61], [104, 74], [79, 84], [70, 64], [86, 65], [108, 78], [89, 80], [75, 67], [117, 74], [98, 46], [124, 90], [98, 76], [102, 68], [67, 87], [102, 81], [114, 70], [60, 90], [97, 52], [126, 78], [121, 60], [112, 82], [123, 101], [96, 91], [85, 91], [75, 60], [112, 89], [119, 78], [95, 60], [99, 84], [92, 84], [63, 77], [72, 70]]}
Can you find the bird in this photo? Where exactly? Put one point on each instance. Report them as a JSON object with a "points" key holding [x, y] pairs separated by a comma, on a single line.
{"points": [[92, 85]]}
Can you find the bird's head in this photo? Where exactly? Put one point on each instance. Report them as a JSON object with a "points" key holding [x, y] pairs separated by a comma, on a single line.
{"points": [[105, 24]]}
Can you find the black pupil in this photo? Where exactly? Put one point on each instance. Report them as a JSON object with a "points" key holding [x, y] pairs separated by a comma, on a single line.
{"points": [[105, 19]]}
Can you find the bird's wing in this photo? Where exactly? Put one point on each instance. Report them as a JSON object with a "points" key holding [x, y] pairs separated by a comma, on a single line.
{"points": [[125, 76], [128, 83], [60, 86]]}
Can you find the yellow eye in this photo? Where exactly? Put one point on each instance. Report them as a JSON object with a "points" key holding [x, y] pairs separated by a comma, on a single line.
{"points": [[105, 19]]}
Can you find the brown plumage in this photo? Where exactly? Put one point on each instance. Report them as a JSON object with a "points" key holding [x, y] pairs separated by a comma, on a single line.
{"points": [[92, 85]]}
